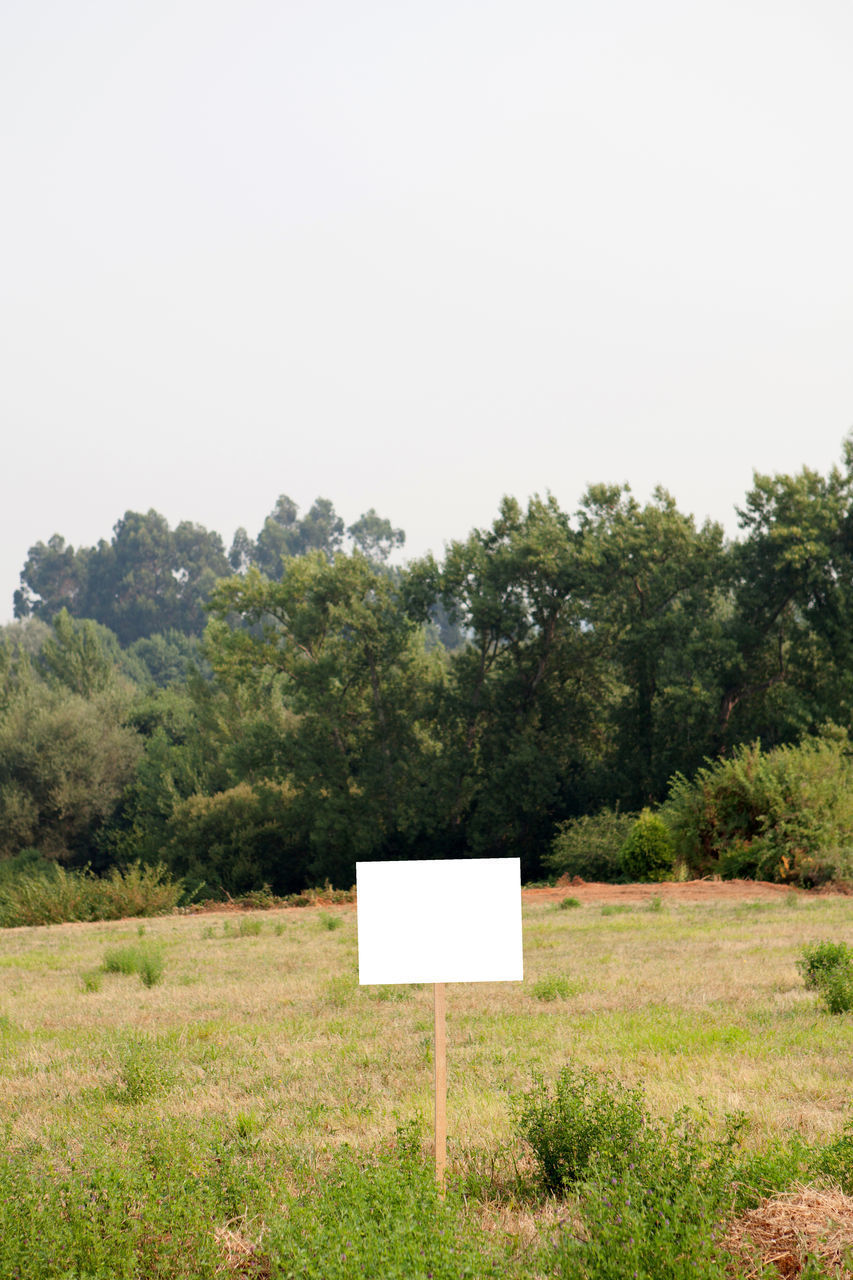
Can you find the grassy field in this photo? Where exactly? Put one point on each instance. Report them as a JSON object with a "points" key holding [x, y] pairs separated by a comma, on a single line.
{"points": [[164, 1129]]}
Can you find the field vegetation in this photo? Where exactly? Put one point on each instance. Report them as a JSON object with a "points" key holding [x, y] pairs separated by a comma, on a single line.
{"points": [[253, 1112]]}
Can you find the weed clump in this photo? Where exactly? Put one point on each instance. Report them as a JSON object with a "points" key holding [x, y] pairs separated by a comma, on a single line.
{"points": [[146, 961], [553, 987], [568, 904]]}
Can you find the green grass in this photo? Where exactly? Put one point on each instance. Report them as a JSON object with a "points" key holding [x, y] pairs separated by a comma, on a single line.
{"points": [[255, 1096]]}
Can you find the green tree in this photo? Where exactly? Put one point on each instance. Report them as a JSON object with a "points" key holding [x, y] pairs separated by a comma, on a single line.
{"points": [[517, 713], [354, 673], [654, 587]]}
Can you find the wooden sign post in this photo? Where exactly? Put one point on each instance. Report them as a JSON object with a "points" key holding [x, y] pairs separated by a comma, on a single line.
{"points": [[440, 1059], [452, 920]]}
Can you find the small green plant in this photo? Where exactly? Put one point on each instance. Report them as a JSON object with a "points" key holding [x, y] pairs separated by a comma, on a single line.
{"points": [[150, 967], [208, 931], [279, 929], [655, 903], [569, 904], [648, 854], [554, 988], [615, 909], [145, 960], [140, 930], [330, 922], [143, 1071], [91, 980], [249, 928], [120, 960]]}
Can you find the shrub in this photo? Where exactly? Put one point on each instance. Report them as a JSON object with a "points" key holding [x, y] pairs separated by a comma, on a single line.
{"points": [[827, 967], [52, 895], [568, 903], [583, 1118], [784, 815], [836, 989], [589, 846], [330, 922], [818, 958], [647, 854]]}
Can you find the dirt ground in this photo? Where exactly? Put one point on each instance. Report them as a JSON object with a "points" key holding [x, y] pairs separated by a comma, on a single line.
{"points": [[683, 891]]}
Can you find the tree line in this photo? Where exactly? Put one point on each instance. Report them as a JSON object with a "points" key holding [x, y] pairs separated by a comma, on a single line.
{"points": [[274, 713]]}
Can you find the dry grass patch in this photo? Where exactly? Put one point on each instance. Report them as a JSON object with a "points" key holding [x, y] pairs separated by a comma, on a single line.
{"points": [[786, 1229]]}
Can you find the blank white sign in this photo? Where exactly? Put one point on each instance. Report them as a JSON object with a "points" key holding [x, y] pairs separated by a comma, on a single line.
{"points": [[452, 920]]}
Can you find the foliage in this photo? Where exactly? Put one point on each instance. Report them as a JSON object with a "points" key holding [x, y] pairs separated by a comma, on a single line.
{"points": [[648, 1191], [148, 579], [647, 853], [589, 846], [237, 838], [383, 1217], [147, 961], [568, 903], [54, 895], [583, 1118], [554, 987], [817, 959], [784, 815]]}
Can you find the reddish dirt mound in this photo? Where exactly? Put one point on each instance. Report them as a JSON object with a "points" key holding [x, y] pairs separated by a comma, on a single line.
{"points": [[684, 891]]}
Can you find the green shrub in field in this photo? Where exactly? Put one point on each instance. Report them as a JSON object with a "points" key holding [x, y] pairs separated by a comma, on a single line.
{"points": [[330, 922], [584, 1117], [589, 846], [784, 815], [647, 853], [818, 958], [648, 1193], [827, 967], [150, 967], [569, 903]]}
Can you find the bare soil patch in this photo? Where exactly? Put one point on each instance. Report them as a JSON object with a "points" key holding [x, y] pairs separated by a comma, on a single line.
{"points": [[681, 891]]}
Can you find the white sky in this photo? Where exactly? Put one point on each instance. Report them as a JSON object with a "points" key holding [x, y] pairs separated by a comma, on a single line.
{"points": [[415, 256]]}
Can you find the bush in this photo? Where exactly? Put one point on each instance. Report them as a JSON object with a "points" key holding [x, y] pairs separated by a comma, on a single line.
{"points": [[584, 1118], [818, 958], [589, 846], [827, 967], [52, 895], [647, 854], [784, 815]]}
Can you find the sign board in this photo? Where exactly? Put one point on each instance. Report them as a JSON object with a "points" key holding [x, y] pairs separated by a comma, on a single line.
{"points": [[450, 920]]}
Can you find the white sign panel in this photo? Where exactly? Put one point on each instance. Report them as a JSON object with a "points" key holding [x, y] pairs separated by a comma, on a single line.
{"points": [[452, 920]]}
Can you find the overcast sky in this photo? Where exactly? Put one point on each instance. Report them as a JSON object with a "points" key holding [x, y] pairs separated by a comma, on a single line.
{"points": [[416, 256]]}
